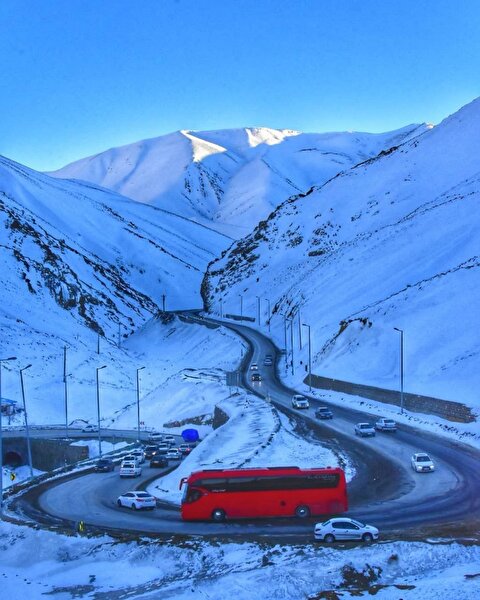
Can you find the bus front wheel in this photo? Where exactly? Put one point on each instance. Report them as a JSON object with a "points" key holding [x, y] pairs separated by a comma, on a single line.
{"points": [[218, 515], [302, 512]]}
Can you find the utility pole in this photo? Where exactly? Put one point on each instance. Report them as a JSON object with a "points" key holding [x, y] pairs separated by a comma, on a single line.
{"points": [[401, 369], [285, 340], [309, 356], [241, 307], [65, 395], [138, 405], [221, 308], [98, 343], [98, 412], [269, 314], [291, 343], [299, 330], [258, 310], [27, 431], [1, 435]]}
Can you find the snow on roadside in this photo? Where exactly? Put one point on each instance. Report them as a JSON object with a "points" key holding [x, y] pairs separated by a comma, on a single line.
{"points": [[20, 474], [36, 562]]}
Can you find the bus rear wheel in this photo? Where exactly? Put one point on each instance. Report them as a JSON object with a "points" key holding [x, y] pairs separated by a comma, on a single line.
{"points": [[302, 511], [218, 515]]}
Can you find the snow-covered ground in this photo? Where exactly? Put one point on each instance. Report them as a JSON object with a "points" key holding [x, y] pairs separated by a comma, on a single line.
{"points": [[38, 563]]}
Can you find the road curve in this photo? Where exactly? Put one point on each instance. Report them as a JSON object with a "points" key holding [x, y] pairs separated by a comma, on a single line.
{"points": [[385, 491]]}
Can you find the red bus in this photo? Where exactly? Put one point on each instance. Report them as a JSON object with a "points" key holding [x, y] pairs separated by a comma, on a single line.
{"points": [[219, 494]]}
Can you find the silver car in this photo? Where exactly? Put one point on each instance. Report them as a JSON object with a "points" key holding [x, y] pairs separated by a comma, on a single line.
{"points": [[137, 500], [422, 463], [342, 528], [364, 430]]}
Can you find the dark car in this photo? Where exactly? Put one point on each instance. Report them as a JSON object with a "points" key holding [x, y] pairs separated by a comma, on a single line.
{"points": [[256, 377], [150, 452], [323, 413], [104, 465], [159, 462]]}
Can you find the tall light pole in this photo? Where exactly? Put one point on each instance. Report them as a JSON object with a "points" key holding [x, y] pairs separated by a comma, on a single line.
{"points": [[98, 412], [285, 341], [221, 308], [299, 330], [65, 390], [269, 314], [258, 310], [309, 356], [400, 331], [241, 306], [27, 431], [291, 342], [138, 404], [1, 438]]}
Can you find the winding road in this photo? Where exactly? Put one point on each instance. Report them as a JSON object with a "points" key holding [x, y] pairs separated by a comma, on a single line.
{"points": [[384, 492]]}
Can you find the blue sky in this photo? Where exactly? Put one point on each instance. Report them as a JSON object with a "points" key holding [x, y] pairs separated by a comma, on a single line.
{"points": [[81, 76]]}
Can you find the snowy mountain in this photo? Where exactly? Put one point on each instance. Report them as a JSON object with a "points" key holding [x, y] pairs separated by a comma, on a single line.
{"points": [[235, 177], [392, 242]]}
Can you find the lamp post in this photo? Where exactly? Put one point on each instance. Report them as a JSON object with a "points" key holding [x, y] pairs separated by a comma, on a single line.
{"points": [[269, 314], [1, 439], [258, 310], [309, 356], [65, 390], [291, 342], [241, 306], [221, 308], [27, 431], [400, 331], [98, 412], [138, 405], [285, 341], [299, 330]]}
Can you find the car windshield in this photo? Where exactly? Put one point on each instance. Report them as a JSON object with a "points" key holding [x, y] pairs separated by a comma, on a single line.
{"points": [[143, 495], [423, 458], [364, 426]]}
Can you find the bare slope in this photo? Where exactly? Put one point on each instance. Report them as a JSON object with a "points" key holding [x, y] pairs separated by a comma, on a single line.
{"points": [[393, 242]]}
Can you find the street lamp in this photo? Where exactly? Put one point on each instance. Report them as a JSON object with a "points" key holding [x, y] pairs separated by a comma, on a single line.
{"points": [[65, 390], [309, 356], [27, 431], [241, 306], [221, 308], [258, 310], [1, 440], [400, 331], [138, 405], [98, 413], [290, 320], [269, 314]]}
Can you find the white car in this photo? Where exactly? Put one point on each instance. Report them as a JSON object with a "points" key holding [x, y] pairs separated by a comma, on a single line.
{"points": [[169, 439], [254, 367], [342, 528], [90, 429], [299, 401], [139, 454], [155, 437], [137, 500], [131, 458], [422, 463], [173, 454], [364, 429], [384, 424], [130, 469]]}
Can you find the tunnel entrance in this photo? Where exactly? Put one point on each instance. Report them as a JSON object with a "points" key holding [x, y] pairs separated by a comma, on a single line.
{"points": [[12, 459]]}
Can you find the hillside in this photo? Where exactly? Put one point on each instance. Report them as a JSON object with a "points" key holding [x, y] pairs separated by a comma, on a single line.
{"points": [[392, 242], [233, 177]]}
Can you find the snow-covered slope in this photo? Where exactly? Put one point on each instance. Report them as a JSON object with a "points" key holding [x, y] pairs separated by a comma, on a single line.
{"points": [[236, 176], [392, 242]]}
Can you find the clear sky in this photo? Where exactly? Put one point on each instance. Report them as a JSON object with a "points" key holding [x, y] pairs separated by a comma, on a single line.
{"points": [[81, 76]]}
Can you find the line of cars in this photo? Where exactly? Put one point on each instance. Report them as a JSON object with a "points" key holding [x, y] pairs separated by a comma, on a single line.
{"points": [[255, 376]]}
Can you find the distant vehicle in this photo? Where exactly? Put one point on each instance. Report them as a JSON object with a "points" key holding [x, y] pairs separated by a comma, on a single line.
{"points": [[255, 377], [131, 458], [130, 469], [344, 529], [163, 448], [169, 439], [158, 461], [184, 449], [155, 437], [299, 401], [173, 454], [221, 494], [150, 451], [137, 500], [323, 413], [384, 424], [254, 367], [104, 465], [90, 429], [139, 454], [268, 360], [422, 463], [364, 430]]}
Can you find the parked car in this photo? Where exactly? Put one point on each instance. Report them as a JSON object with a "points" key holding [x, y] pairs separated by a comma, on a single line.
{"points": [[137, 500], [184, 449], [384, 424], [323, 413], [155, 437], [364, 429], [150, 451], [158, 461], [422, 463], [344, 529], [254, 367], [299, 401], [130, 469], [104, 465], [90, 429], [173, 454], [256, 377], [139, 454]]}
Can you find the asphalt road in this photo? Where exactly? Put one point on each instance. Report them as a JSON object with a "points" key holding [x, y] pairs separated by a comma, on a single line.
{"points": [[385, 491]]}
